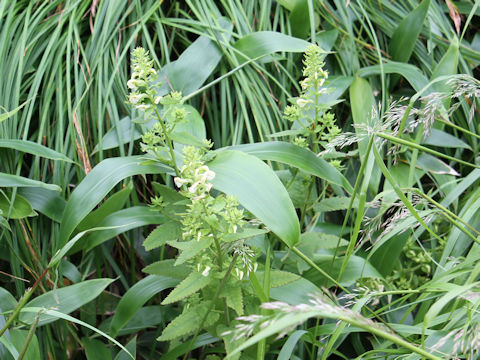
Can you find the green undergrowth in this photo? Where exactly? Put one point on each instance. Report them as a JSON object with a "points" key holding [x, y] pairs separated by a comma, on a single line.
{"points": [[239, 179]]}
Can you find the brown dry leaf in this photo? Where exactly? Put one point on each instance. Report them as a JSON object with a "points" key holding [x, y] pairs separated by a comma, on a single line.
{"points": [[454, 15]]}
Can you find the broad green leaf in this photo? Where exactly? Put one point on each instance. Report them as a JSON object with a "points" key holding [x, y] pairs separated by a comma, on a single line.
{"points": [[18, 338], [7, 301], [168, 268], [300, 19], [446, 66], [8, 180], [442, 139], [124, 131], [66, 299], [49, 203], [21, 208], [259, 190], [317, 240], [405, 35], [96, 350], [356, 268], [363, 113], [430, 163], [119, 222], [33, 148], [190, 285], [410, 72], [136, 297], [189, 321], [296, 292], [296, 156], [132, 349], [96, 185], [196, 63], [145, 317], [168, 231], [335, 203], [114, 203], [261, 43]]}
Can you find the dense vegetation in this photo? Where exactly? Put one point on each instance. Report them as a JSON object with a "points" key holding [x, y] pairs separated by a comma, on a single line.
{"points": [[289, 179]]}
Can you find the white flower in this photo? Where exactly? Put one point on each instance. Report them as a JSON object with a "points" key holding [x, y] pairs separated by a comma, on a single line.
{"points": [[157, 99], [132, 84], [179, 181], [206, 271]]}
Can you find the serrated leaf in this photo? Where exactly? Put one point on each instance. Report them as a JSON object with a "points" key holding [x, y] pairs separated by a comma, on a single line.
{"points": [[245, 234], [234, 297], [279, 278], [167, 268], [190, 285], [166, 232], [189, 322], [190, 248]]}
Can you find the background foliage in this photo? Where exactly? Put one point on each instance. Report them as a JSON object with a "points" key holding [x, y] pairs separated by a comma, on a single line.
{"points": [[63, 86]]}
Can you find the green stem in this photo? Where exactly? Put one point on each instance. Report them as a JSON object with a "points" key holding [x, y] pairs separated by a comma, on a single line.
{"points": [[22, 303], [390, 337], [212, 304], [29, 338], [425, 149], [168, 141], [350, 205]]}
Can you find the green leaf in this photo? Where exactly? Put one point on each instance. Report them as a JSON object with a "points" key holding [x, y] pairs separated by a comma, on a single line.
{"points": [[145, 317], [96, 350], [442, 139], [298, 157], [410, 72], [335, 204], [66, 299], [166, 232], [259, 190], [356, 268], [430, 163], [49, 203], [18, 338], [446, 66], [189, 322], [8, 114], [279, 278], [168, 268], [7, 301], [290, 344], [136, 297], [317, 240], [8, 180], [33, 148], [405, 35], [261, 43], [190, 285], [114, 203], [196, 63], [96, 185], [119, 222], [190, 248], [21, 208], [132, 350], [59, 315]]}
